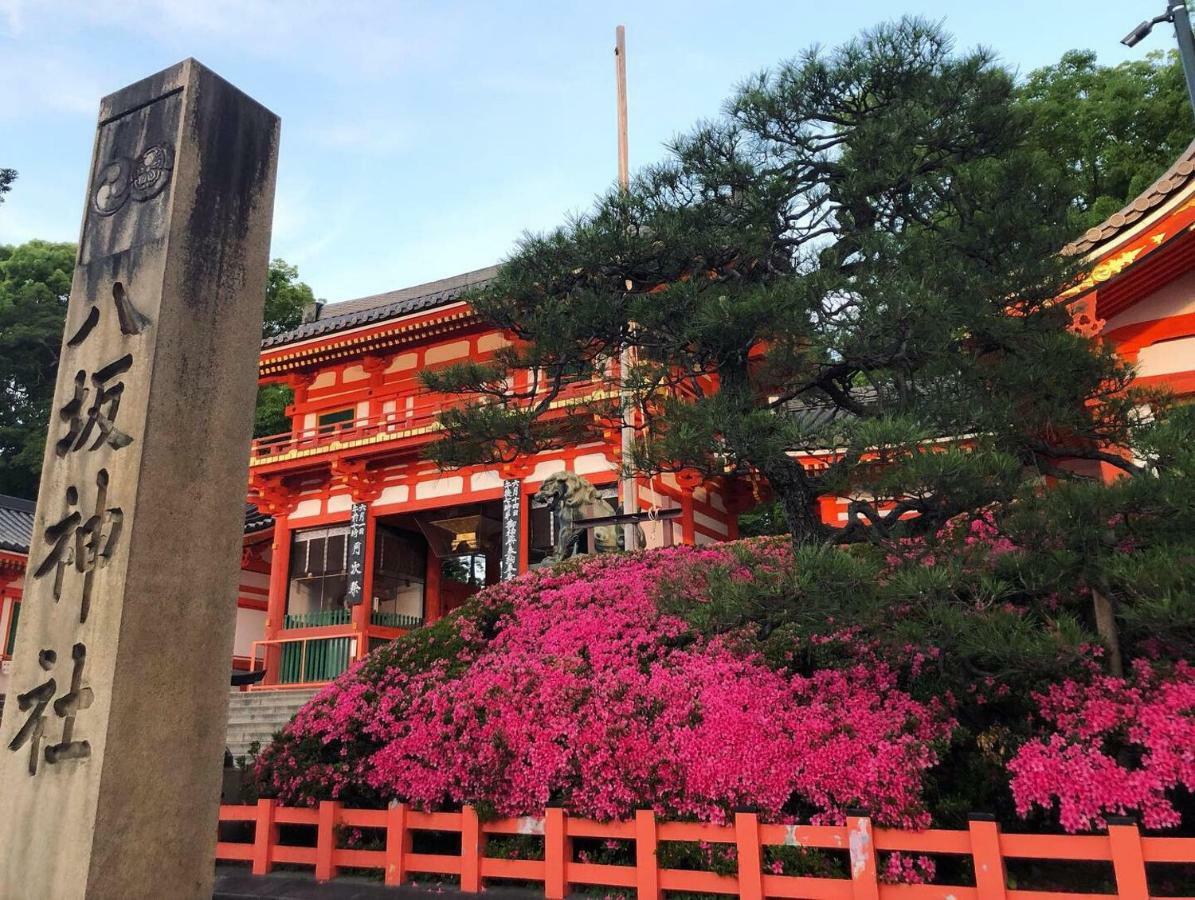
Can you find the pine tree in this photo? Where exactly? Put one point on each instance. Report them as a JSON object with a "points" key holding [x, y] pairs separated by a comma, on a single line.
{"points": [[860, 255]]}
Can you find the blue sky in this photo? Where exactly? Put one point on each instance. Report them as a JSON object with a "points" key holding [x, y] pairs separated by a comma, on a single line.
{"points": [[420, 140]]}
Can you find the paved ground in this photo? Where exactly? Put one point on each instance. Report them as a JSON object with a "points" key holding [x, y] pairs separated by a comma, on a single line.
{"points": [[233, 883]]}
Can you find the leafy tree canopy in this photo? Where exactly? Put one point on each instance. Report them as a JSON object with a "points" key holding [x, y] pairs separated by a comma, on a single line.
{"points": [[860, 254], [35, 282], [1112, 129], [7, 177], [35, 285], [287, 301]]}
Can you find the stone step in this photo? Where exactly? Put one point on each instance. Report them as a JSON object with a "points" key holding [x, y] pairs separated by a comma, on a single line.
{"points": [[258, 715]]}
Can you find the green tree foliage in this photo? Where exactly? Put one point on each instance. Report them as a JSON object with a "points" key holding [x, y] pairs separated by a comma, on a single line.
{"points": [[287, 301], [862, 251], [35, 285], [1111, 129], [35, 282], [7, 177]]}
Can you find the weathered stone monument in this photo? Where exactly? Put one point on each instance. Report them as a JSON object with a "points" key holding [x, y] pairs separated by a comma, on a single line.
{"points": [[113, 734]]}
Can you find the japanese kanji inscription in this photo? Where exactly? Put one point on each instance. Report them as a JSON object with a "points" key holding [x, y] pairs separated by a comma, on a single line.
{"points": [[110, 752]]}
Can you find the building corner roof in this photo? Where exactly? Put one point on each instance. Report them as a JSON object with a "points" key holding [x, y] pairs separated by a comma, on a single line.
{"points": [[1178, 177]]}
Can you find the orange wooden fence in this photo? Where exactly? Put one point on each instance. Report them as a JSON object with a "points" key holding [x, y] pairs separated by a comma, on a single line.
{"points": [[1123, 846]]}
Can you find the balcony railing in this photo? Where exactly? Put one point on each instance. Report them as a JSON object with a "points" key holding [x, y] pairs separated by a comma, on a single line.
{"points": [[318, 619], [395, 620], [416, 417]]}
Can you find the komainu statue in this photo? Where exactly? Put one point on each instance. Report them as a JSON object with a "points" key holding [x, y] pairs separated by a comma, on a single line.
{"points": [[572, 499]]}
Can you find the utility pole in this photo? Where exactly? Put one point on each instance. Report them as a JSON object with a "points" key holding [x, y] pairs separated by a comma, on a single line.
{"points": [[630, 492], [1176, 12]]}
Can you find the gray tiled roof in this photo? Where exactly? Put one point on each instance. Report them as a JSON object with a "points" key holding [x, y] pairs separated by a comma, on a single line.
{"points": [[16, 523], [1175, 178], [256, 520], [380, 307]]}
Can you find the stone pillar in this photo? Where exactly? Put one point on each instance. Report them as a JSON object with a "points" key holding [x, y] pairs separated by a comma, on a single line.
{"points": [[112, 740]]}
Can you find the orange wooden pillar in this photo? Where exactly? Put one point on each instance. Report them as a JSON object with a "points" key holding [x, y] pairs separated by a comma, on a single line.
{"points": [[1128, 859], [865, 881], [398, 844], [265, 836], [746, 837], [647, 865], [557, 853], [990, 878], [432, 603], [688, 480], [688, 524], [472, 848], [276, 601], [325, 840]]}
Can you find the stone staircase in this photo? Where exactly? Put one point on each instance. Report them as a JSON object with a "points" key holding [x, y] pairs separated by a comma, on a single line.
{"points": [[256, 715]]}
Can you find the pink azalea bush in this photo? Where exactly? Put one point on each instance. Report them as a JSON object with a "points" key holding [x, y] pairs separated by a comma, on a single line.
{"points": [[572, 686], [1116, 746]]}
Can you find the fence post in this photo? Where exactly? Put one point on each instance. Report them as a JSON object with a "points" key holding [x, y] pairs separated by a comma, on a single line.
{"points": [[557, 853], [265, 835], [861, 843], [990, 879], [746, 837], [398, 843], [647, 867], [1128, 859], [470, 851], [325, 840]]}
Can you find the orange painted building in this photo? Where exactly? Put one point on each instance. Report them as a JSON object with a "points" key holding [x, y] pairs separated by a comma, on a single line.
{"points": [[358, 514], [1140, 292], [347, 509]]}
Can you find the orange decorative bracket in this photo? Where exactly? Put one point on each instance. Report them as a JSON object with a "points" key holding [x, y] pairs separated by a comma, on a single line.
{"points": [[1084, 321], [354, 475], [516, 470], [271, 497]]}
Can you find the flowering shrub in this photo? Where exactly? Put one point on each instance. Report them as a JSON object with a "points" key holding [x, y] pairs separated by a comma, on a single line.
{"points": [[1118, 746], [573, 686]]}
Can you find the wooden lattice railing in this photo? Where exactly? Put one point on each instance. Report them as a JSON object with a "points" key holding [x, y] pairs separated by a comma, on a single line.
{"points": [[1127, 851]]}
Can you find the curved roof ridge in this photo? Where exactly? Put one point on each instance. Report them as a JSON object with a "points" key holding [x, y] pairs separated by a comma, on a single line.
{"points": [[380, 307], [16, 523], [1179, 175]]}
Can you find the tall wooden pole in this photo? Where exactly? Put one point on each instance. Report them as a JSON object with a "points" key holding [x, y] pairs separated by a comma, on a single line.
{"points": [[630, 494], [620, 70]]}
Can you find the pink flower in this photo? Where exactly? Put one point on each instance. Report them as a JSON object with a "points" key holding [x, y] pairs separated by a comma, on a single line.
{"points": [[588, 694], [1080, 768]]}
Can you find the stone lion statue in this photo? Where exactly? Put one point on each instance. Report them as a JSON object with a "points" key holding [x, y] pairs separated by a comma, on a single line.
{"points": [[572, 499]]}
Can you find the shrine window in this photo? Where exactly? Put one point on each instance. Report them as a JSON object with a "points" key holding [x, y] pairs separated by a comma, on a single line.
{"points": [[318, 571], [336, 420], [468, 569]]}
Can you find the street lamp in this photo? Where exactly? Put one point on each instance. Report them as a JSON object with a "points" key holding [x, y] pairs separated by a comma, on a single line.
{"points": [[1176, 12]]}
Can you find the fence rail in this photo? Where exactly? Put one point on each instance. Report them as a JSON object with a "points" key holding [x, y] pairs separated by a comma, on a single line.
{"points": [[1123, 847]]}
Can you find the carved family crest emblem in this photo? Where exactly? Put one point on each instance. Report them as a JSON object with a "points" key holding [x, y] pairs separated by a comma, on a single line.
{"points": [[140, 178]]}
